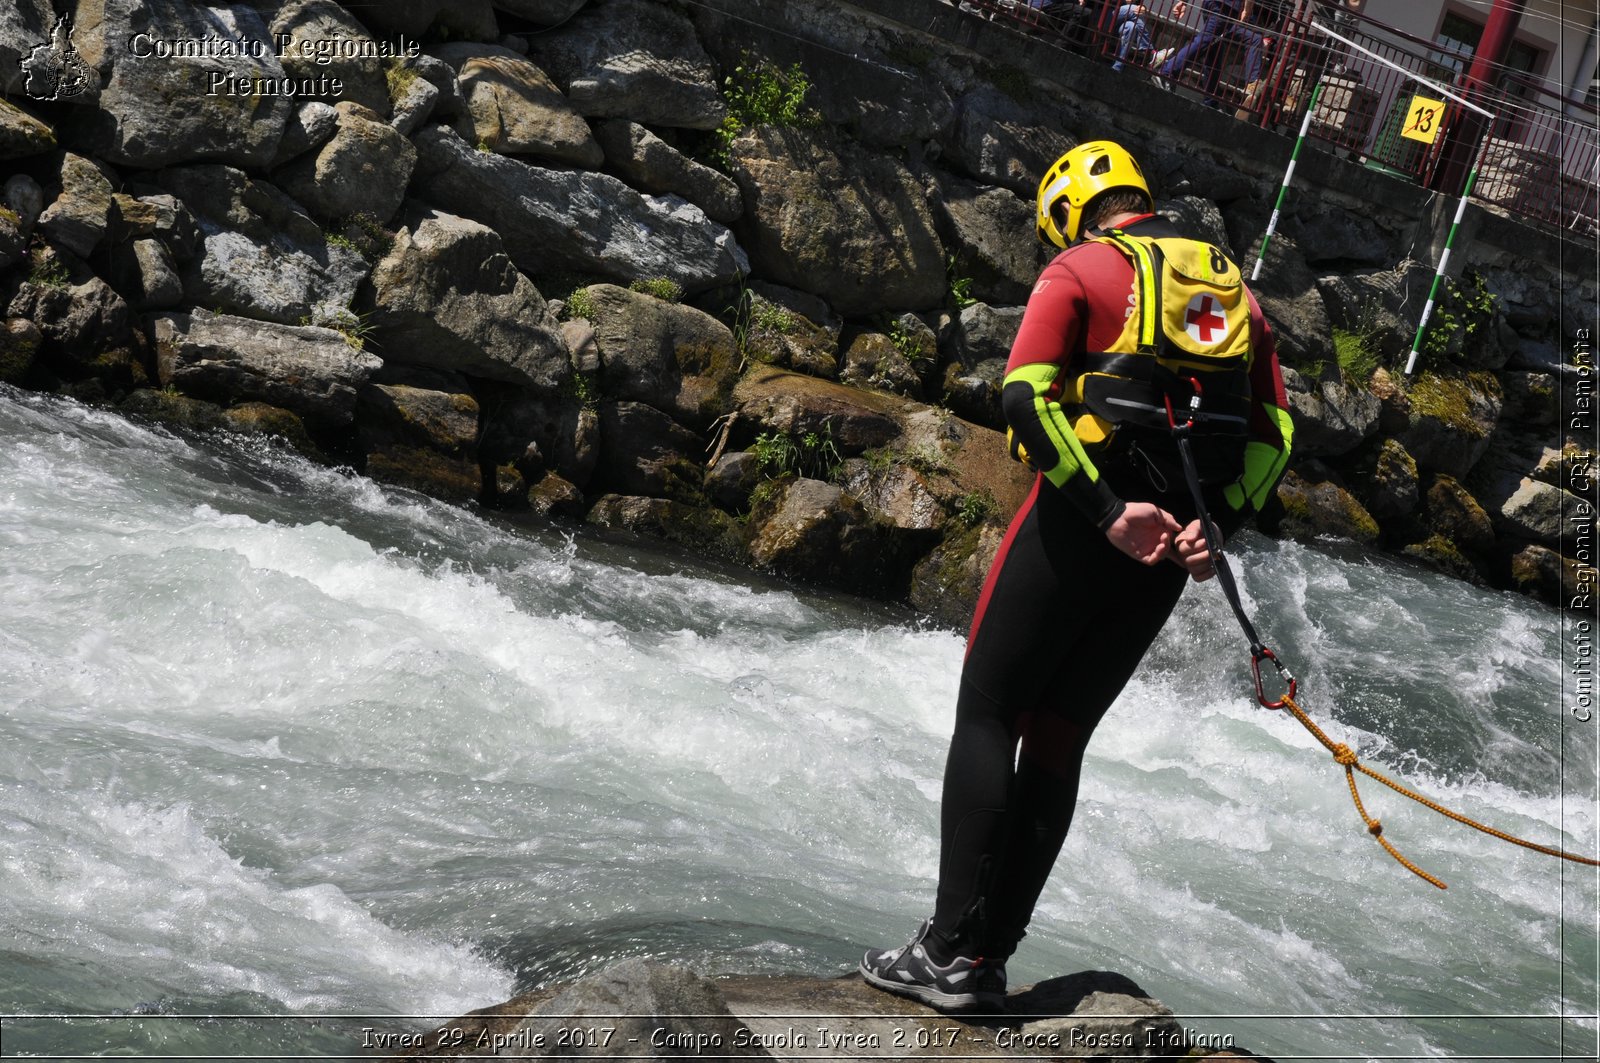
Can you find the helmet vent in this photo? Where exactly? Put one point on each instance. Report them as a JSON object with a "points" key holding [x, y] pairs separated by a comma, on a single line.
{"points": [[1100, 166]]}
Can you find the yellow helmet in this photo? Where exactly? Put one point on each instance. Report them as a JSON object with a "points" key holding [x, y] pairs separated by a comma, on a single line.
{"points": [[1077, 178]]}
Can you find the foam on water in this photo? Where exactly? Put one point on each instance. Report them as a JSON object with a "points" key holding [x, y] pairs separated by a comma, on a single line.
{"points": [[271, 730]]}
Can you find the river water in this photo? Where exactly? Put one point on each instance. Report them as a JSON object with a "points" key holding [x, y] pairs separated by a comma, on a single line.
{"points": [[274, 739]]}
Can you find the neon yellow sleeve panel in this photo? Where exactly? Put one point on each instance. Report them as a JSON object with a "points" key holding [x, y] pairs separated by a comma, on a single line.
{"points": [[1263, 464], [1040, 427], [1063, 457]]}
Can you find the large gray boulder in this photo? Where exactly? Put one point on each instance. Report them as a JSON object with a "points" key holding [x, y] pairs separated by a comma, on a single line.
{"points": [[21, 134], [24, 25], [1330, 418], [422, 437], [650, 164], [262, 255], [1451, 418], [515, 109], [674, 357], [307, 370], [791, 329], [312, 125], [462, 20], [809, 529], [304, 26], [1199, 218], [158, 110], [554, 220], [645, 452], [1292, 302], [544, 12], [363, 169], [992, 232], [838, 221], [634, 59], [447, 296], [78, 218], [998, 141]]}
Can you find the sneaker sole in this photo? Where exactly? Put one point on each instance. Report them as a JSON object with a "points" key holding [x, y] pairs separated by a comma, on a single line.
{"points": [[930, 996]]}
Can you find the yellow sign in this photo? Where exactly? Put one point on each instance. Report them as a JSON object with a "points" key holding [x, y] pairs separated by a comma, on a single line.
{"points": [[1423, 119]]}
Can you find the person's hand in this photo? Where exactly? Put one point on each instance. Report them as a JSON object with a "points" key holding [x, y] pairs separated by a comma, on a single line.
{"points": [[1179, 10], [1144, 532], [1191, 550]]}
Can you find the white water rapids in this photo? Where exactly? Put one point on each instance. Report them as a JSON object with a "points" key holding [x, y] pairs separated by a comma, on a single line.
{"points": [[276, 739]]}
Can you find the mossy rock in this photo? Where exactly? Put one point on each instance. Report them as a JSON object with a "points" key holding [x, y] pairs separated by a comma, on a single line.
{"points": [[1450, 419], [1312, 506], [19, 346], [173, 408], [701, 528], [1440, 552], [262, 419]]}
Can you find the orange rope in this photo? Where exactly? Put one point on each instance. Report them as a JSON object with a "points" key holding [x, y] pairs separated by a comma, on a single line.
{"points": [[1346, 758]]}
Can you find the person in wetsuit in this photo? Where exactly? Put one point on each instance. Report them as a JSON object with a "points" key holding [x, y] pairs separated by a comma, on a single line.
{"points": [[1092, 565]]}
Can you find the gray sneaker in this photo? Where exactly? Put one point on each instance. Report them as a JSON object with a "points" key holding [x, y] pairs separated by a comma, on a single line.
{"points": [[962, 984]]}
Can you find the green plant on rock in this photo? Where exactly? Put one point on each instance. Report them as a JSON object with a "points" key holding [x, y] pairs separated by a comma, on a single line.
{"points": [[664, 288], [760, 93], [580, 304], [811, 454], [960, 286], [1466, 307], [975, 507], [1358, 358], [770, 317], [583, 389], [399, 76], [907, 340], [46, 270], [355, 328]]}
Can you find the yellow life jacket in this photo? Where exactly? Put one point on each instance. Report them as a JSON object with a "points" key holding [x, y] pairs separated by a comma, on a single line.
{"points": [[1190, 327]]}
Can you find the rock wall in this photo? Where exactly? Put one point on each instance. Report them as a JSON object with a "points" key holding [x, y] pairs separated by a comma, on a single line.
{"points": [[539, 256]]}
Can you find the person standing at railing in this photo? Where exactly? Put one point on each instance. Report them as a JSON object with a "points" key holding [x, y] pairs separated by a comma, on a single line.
{"points": [[1222, 20]]}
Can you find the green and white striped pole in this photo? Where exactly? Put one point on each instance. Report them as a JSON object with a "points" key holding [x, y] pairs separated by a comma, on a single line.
{"points": [[1288, 175], [1444, 259]]}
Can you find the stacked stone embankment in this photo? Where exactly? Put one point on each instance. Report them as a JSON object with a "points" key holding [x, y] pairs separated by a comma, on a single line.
{"points": [[741, 277]]}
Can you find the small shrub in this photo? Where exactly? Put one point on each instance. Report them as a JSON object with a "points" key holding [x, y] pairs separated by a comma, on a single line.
{"points": [[46, 270], [975, 507], [810, 454], [663, 288], [399, 77], [960, 286], [772, 318], [355, 328], [760, 93], [1466, 307], [1358, 358], [580, 304]]}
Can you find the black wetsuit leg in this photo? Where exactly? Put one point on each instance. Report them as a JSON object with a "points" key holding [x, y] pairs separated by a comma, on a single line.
{"points": [[1065, 621]]}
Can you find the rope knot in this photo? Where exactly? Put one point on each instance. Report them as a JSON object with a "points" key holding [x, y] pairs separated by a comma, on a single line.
{"points": [[1375, 828], [1344, 754]]}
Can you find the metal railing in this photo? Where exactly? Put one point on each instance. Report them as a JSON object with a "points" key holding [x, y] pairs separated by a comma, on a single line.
{"points": [[1539, 158]]}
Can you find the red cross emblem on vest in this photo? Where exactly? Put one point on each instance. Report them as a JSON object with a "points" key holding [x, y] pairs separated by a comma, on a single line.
{"points": [[1203, 320]]}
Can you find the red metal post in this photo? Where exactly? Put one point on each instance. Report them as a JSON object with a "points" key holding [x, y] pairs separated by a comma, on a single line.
{"points": [[1462, 144]]}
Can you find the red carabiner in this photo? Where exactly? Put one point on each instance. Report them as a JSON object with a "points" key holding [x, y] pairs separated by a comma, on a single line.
{"points": [[1194, 406], [1283, 673]]}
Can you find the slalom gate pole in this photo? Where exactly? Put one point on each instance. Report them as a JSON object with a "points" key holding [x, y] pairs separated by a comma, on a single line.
{"points": [[1288, 175], [1444, 257]]}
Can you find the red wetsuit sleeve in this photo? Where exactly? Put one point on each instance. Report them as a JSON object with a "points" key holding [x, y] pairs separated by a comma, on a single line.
{"points": [[1061, 316]]}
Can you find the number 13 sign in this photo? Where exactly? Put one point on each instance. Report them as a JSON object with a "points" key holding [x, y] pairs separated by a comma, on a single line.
{"points": [[1423, 119]]}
